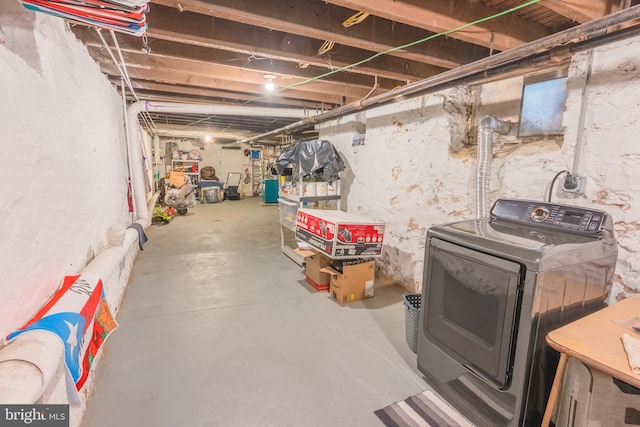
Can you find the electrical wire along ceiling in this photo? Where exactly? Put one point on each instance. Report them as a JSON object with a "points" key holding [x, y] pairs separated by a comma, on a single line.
{"points": [[314, 55]]}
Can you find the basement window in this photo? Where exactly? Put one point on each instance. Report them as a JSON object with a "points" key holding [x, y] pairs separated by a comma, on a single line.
{"points": [[543, 105]]}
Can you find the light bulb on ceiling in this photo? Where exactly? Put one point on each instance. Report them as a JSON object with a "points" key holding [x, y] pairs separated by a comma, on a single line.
{"points": [[207, 138], [269, 85]]}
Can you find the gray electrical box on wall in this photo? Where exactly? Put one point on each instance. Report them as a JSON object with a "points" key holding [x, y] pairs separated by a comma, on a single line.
{"points": [[574, 184], [543, 105]]}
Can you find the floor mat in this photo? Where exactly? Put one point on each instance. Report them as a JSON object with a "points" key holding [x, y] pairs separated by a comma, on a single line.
{"points": [[424, 409]]}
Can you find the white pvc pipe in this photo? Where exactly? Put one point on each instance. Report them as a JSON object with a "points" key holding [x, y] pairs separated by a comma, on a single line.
{"points": [[584, 100], [223, 110], [134, 145], [157, 158], [106, 262], [135, 160], [28, 365]]}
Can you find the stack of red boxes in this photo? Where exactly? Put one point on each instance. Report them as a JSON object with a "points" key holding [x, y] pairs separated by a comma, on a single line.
{"points": [[344, 246], [340, 235]]}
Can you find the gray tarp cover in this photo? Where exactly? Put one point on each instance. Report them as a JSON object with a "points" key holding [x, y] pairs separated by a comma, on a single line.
{"points": [[311, 156]]}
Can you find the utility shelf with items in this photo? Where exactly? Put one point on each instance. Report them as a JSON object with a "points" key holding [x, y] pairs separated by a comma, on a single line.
{"points": [[308, 178], [288, 206], [309, 199], [315, 194], [190, 168]]}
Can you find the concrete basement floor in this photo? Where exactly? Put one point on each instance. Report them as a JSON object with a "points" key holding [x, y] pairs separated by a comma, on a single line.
{"points": [[219, 328]]}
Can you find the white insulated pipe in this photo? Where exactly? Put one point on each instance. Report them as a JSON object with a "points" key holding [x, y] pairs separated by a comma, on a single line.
{"points": [[157, 158], [486, 128], [29, 363], [221, 110], [27, 366], [133, 139]]}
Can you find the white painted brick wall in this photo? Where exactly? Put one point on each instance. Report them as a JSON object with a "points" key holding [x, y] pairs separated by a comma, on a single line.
{"points": [[64, 163], [407, 176]]}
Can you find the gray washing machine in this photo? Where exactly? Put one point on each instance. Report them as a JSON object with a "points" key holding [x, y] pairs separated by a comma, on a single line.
{"points": [[492, 290]]}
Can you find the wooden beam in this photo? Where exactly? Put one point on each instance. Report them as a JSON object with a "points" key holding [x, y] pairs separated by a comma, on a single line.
{"points": [[212, 82], [438, 16], [175, 50], [319, 21], [582, 11], [178, 93], [169, 24], [192, 70]]}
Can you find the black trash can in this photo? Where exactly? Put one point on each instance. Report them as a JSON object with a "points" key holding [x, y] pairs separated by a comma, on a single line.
{"points": [[412, 319]]}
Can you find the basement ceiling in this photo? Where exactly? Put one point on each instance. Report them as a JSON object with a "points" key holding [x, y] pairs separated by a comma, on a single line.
{"points": [[321, 54]]}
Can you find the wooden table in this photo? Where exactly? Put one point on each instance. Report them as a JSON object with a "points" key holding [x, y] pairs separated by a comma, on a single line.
{"points": [[596, 341]]}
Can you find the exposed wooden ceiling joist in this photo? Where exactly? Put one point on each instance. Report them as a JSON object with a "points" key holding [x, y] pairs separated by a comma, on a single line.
{"points": [[208, 51], [202, 57], [193, 28], [438, 16], [583, 11], [166, 92], [318, 21]]}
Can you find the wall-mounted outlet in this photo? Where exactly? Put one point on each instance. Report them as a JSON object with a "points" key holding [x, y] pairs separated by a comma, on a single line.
{"points": [[573, 184]]}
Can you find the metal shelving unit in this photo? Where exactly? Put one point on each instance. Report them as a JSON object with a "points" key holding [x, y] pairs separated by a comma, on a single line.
{"points": [[186, 165], [288, 205]]}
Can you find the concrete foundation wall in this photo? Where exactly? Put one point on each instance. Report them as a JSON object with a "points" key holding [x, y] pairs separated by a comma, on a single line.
{"points": [[417, 165]]}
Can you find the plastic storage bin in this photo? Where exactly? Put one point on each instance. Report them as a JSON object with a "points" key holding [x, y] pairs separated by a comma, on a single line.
{"points": [[270, 191], [210, 195], [288, 213], [412, 319]]}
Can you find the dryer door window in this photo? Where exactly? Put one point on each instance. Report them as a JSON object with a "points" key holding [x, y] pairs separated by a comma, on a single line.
{"points": [[471, 301]]}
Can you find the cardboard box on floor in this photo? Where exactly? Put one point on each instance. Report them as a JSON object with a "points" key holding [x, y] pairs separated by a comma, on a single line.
{"points": [[354, 283], [314, 263], [176, 178]]}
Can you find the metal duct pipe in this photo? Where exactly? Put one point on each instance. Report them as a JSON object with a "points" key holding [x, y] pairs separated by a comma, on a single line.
{"points": [[546, 51], [134, 147], [485, 154]]}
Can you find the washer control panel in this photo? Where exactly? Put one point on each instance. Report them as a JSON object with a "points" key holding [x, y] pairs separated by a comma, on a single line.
{"points": [[550, 215]]}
